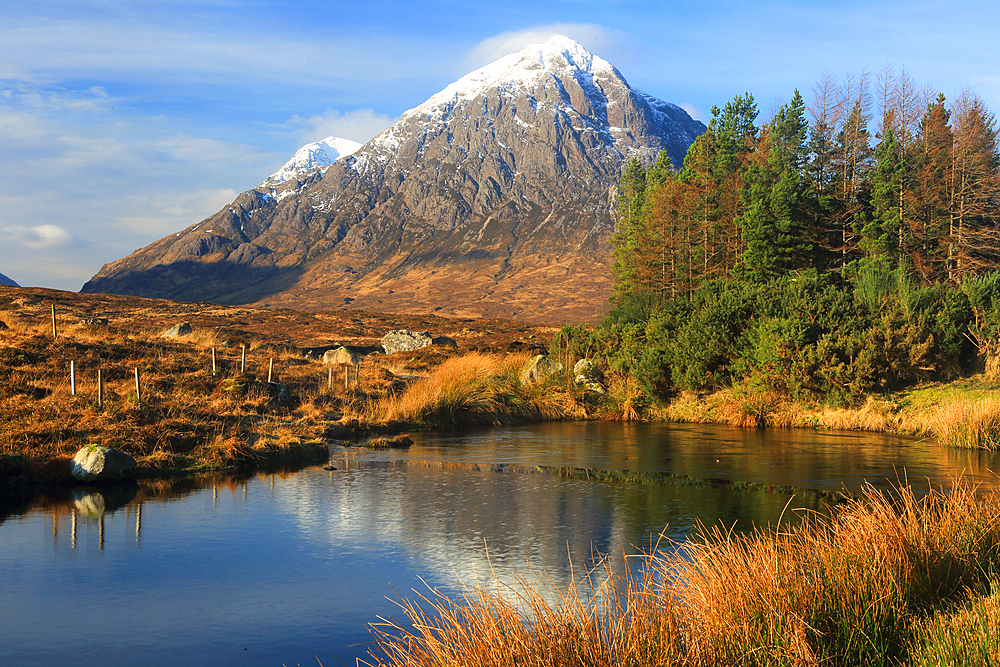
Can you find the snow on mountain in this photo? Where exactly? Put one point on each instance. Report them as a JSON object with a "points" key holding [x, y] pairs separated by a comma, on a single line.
{"points": [[4, 280], [559, 77], [313, 156], [524, 69]]}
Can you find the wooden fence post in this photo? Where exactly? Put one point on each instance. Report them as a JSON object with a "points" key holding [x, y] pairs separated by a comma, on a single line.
{"points": [[100, 389], [270, 369], [243, 358], [347, 377], [55, 333], [213, 361], [72, 378], [329, 379], [138, 389]]}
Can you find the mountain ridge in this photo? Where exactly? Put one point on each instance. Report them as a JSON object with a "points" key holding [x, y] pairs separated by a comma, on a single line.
{"points": [[493, 198]]}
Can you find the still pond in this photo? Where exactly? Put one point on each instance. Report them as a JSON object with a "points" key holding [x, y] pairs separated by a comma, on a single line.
{"points": [[285, 569]]}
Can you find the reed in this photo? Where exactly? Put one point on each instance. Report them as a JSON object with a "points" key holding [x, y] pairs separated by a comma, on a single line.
{"points": [[971, 424], [851, 588]]}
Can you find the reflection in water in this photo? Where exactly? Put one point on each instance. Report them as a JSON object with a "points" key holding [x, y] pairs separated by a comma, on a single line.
{"points": [[281, 569]]}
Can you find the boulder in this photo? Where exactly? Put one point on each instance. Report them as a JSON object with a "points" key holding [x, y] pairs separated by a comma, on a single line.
{"points": [[278, 393], [586, 370], [340, 357], [404, 340], [539, 369], [586, 374], [96, 463], [444, 340], [178, 330]]}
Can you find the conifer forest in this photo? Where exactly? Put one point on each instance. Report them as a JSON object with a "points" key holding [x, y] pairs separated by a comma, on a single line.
{"points": [[832, 250]]}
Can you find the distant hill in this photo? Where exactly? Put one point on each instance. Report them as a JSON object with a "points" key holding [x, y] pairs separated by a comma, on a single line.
{"points": [[4, 280], [494, 198]]}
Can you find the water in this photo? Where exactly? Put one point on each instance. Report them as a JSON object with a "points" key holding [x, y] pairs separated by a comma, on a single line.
{"points": [[285, 569]]}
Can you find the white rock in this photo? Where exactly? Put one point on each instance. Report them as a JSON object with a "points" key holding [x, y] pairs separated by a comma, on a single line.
{"points": [[95, 463]]}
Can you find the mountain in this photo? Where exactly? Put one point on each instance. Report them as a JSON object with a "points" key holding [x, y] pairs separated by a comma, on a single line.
{"points": [[312, 156], [4, 280], [493, 198]]}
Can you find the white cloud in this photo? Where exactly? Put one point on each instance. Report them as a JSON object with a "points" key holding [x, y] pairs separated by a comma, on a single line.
{"points": [[597, 39], [360, 125], [40, 236], [87, 181], [692, 111]]}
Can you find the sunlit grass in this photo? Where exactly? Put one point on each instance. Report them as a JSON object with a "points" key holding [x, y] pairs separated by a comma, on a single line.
{"points": [[474, 388], [971, 424], [854, 588]]}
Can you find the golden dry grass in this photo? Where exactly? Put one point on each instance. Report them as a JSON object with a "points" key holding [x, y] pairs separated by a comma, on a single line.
{"points": [[970, 424], [850, 589], [475, 388], [191, 417]]}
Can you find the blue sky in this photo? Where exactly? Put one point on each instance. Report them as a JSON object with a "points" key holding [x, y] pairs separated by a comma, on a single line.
{"points": [[121, 122]]}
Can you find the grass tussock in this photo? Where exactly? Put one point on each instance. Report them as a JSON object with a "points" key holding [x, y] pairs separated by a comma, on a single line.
{"points": [[854, 588], [969, 634], [970, 424], [476, 388]]}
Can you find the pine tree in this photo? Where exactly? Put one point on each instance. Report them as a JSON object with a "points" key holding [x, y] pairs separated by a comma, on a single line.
{"points": [[626, 239], [928, 204], [772, 221], [880, 232]]}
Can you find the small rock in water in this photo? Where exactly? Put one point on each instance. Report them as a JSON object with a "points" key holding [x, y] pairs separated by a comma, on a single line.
{"points": [[398, 442]]}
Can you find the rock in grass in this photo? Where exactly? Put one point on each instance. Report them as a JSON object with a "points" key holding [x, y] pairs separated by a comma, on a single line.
{"points": [[340, 357], [3, 326], [540, 369], [404, 340], [586, 374], [96, 463], [178, 330]]}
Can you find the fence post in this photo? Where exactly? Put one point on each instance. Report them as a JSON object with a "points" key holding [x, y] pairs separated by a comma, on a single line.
{"points": [[72, 378], [55, 333], [346, 377], [329, 379], [100, 389], [270, 369], [243, 358], [138, 389], [213, 361]]}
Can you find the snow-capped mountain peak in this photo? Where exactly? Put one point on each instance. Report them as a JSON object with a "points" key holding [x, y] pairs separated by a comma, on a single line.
{"points": [[522, 68], [318, 154]]}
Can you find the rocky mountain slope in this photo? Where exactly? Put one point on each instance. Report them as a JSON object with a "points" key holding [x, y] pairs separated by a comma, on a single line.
{"points": [[494, 198], [4, 280]]}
